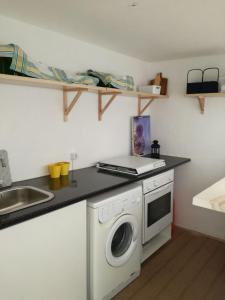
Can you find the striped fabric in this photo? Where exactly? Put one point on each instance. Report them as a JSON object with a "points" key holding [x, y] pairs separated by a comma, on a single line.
{"points": [[123, 83], [6, 50], [24, 64], [109, 80]]}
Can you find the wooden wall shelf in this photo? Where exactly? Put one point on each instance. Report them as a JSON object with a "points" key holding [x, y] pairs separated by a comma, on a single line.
{"points": [[79, 89], [202, 97]]}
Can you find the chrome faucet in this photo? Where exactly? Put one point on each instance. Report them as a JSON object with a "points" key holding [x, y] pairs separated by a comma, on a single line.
{"points": [[5, 176]]}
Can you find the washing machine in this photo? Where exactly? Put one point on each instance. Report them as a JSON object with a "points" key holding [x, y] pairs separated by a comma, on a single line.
{"points": [[114, 241]]}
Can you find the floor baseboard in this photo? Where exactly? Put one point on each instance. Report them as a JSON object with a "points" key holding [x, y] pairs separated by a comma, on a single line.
{"points": [[200, 233]]}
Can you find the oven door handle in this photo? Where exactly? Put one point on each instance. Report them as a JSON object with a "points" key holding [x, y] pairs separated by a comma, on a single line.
{"points": [[161, 189]]}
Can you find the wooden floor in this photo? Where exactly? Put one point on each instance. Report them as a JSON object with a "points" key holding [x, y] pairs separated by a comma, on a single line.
{"points": [[189, 267]]}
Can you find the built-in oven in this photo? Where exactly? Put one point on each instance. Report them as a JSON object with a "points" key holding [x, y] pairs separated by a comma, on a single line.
{"points": [[157, 204]]}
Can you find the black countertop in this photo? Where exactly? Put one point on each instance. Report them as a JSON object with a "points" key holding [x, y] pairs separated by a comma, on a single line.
{"points": [[79, 185]]}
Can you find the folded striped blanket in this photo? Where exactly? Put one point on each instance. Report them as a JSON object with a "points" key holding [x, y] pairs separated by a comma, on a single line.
{"points": [[112, 81], [24, 64]]}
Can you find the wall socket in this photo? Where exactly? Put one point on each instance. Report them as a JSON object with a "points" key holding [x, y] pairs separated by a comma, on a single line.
{"points": [[73, 156]]}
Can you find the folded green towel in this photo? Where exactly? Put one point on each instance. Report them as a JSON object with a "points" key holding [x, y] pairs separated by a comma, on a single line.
{"points": [[24, 64], [112, 81]]}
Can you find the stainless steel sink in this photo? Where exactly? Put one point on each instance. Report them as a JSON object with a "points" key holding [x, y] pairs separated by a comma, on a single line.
{"points": [[21, 197]]}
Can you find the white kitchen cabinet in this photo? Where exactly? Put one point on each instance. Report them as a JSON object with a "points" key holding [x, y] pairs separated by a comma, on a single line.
{"points": [[45, 258]]}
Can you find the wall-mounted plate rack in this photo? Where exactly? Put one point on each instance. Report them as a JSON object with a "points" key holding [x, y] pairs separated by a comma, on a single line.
{"points": [[201, 98], [79, 89]]}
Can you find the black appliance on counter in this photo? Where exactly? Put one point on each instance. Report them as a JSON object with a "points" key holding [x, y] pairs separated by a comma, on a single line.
{"points": [[155, 149]]}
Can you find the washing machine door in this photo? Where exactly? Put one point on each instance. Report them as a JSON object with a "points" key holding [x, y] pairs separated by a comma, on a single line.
{"points": [[122, 240]]}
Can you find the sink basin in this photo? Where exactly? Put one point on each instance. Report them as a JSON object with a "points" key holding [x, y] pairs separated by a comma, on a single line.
{"points": [[21, 197]]}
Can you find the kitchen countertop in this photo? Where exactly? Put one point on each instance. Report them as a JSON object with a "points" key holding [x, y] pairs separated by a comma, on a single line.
{"points": [[213, 197], [79, 185]]}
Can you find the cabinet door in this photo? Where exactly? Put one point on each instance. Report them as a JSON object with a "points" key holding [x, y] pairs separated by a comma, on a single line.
{"points": [[45, 258]]}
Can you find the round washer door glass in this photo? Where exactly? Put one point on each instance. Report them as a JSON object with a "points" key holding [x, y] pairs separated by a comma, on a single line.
{"points": [[122, 240]]}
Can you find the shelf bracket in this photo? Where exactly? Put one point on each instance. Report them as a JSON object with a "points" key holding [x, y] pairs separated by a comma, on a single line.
{"points": [[140, 109], [101, 108], [201, 101], [68, 107]]}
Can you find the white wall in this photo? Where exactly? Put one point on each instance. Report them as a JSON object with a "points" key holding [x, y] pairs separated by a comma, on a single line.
{"points": [[33, 131], [183, 131], [31, 119]]}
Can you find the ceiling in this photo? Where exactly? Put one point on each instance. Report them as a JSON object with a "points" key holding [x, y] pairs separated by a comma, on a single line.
{"points": [[151, 31]]}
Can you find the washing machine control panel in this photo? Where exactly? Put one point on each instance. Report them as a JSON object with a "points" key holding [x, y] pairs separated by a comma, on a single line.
{"points": [[120, 205]]}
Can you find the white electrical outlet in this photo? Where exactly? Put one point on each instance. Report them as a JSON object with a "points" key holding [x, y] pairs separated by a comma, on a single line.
{"points": [[73, 155]]}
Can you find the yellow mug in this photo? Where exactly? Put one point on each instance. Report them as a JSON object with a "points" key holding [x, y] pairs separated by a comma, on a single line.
{"points": [[64, 168], [54, 170]]}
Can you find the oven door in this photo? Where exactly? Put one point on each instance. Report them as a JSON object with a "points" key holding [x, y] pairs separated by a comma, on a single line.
{"points": [[158, 211]]}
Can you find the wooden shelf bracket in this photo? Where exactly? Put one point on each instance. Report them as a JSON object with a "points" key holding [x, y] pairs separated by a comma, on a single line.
{"points": [[140, 109], [201, 97], [201, 100], [78, 89], [68, 107], [102, 108]]}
